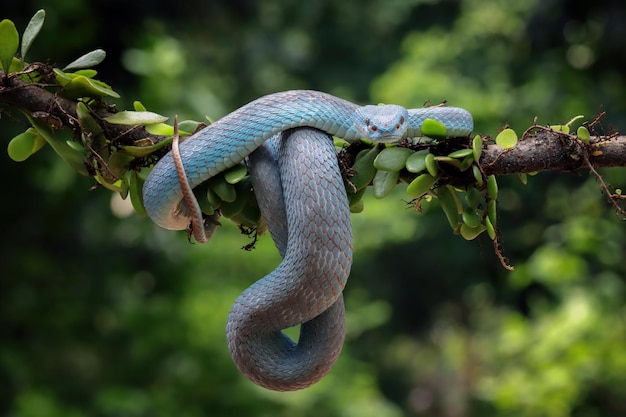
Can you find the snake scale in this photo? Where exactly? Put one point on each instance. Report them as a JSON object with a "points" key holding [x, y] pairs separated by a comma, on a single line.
{"points": [[286, 139]]}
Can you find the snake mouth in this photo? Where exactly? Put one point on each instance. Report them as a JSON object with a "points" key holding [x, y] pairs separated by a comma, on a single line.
{"points": [[389, 137]]}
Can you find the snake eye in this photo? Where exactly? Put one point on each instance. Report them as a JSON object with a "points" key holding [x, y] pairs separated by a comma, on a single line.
{"points": [[401, 120], [367, 122]]}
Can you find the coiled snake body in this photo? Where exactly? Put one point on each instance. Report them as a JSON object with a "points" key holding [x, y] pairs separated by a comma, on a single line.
{"points": [[298, 184]]}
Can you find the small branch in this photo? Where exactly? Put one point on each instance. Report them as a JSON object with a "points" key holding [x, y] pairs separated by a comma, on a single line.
{"points": [[613, 198], [550, 151]]}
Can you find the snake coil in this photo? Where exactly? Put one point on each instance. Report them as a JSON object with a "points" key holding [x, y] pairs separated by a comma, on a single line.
{"points": [[302, 198]]}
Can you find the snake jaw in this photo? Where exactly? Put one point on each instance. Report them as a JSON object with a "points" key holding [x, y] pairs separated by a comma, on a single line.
{"points": [[384, 123]]}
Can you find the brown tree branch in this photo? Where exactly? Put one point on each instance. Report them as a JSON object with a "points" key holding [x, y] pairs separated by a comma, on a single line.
{"points": [[36, 99], [541, 150], [546, 150]]}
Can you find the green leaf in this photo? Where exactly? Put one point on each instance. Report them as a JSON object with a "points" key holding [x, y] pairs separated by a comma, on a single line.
{"points": [[492, 187], [16, 66], [93, 135], [447, 160], [87, 122], [235, 174], [461, 153], [76, 146], [470, 233], [477, 147], [188, 126], [492, 212], [364, 170], [355, 200], [478, 176], [212, 198], [523, 178], [491, 230], [73, 158], [244, 191], [89, 73], [583, 134], [185, 128], [420, 185], [141, 151], [225, 191], [431, 164], [76, 86], [163, 129], [467, 162], [340, 143], [580, 116], [134, 118], [138, 106], [250, 216], [506, 139], [383, 182], [450, 204], [135, 186], [62, 78], [25, 144], [560, 128], [9, 41], [434, 129], [90, 88], [119, 163], [117, 186], [417, 162], [200, 191], [473, 197], [88, 60], [471, 217], [392, 159], [32, 30], [357, 207]]}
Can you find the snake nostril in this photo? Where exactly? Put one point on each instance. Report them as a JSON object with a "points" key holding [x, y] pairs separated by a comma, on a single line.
{"points": [[397, 127], [374, 128]]}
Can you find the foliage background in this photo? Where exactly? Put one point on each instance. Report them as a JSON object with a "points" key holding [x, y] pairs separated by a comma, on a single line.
{"points": [[103, 314]]}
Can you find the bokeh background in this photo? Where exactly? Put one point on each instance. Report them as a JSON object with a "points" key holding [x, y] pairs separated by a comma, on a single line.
{"points": [[104, 314]]}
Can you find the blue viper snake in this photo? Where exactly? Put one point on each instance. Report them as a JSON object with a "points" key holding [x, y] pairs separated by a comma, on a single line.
{"points": [[286, 139]]}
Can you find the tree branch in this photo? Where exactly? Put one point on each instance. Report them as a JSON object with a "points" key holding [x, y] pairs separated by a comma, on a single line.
{"points": [[541, 150], [36, 99], [546, 150]]}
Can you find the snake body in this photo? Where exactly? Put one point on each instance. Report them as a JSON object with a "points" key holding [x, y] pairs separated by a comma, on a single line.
{"points": [[307, 213], [308, 284]]}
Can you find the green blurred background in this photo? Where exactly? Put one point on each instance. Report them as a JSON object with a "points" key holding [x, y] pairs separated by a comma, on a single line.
{"points": [[104, 314]]}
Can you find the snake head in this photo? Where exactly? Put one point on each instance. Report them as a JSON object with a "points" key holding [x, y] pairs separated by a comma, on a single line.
{"points": [[384, 123]]}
